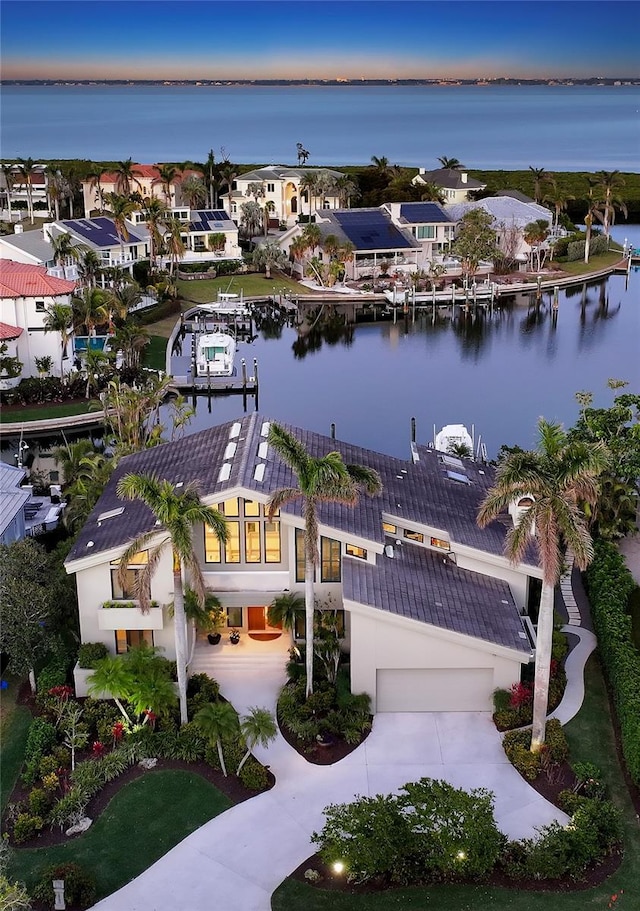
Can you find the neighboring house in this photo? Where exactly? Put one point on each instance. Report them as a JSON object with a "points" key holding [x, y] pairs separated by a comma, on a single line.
{"points": [[454, 183], [21, 514], [19, 194], [100, 235], [284, 189], [30, 247], [405, 236], [26, 292], [428, 222], [510, 217], [208, 233], [147, 183], [433, 613]]}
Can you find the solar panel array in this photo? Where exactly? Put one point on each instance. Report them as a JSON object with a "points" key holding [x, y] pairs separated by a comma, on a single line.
{"points": [[206, 219], [423, 213], [99, 231], [371, 229]]}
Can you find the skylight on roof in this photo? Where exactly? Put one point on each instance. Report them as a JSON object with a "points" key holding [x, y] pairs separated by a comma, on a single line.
{"points": [[459, 478], [258, 473], [230, 451], [263, 450], [236, 427], [225, 471], [264, 430], [452, 461], [110, 514]]}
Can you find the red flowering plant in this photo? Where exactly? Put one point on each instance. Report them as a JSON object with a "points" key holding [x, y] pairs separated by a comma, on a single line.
{"points": [[150, 718], [521, 695], [97, 749], [57, 700], [117, 732]]}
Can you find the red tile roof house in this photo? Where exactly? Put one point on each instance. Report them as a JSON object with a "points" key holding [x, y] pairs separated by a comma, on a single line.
{"points": [[434, 614], [25, 294], [147, 182]]}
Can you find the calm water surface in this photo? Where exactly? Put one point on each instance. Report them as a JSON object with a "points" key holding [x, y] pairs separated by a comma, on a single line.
{"points": [[500, 373], [558, 127]]}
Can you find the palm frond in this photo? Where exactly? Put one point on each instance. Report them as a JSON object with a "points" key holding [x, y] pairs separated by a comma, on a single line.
{"points": [[280, 498], [142, 587], [366, 478], [288, 448]]}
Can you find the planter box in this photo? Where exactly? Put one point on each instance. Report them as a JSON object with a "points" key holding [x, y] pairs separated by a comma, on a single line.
{"points": [[112, 618], [80, 679]]}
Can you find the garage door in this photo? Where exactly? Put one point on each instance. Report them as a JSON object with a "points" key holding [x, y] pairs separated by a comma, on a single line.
{"points": [[434, 689]]}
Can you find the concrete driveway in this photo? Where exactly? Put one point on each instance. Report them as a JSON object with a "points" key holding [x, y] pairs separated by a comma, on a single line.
{"points": [[236, 861]]}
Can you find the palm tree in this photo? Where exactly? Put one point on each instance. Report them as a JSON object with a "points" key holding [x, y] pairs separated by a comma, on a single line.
{"points": [[174, 243], [270, 256], [92, 476], [320, 480], [346, 190], [312, 236], [285, 610], [59, 318], [608, 183], [535, 233], [450, 164], [308, 183], [89, 265], [90, 309], [167, 174], [194, 191], [177, 514], [121, 299], [63, 248], [27, 169], [555, 482], [219, 724], [9, 173], [539, 176], [112, 676], [131, 339], [94, 363], [95, 177], [559, 199], [229, 172], [155, 215], [257, 726], [331, 246], [212, 176], [594, 210], [429, 192], [126, 177], [121, 208], [250, 218], [55, 188], [69, 457]]}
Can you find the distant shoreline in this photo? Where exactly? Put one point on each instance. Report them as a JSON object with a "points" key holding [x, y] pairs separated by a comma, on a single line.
{"points": [[226, 83]]}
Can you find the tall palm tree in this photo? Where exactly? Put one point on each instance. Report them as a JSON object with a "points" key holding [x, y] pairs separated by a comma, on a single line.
{"points": [[174, 243], [89, 265], [95, 177], [450, 164], [218, 722], [59, 318], [90, 309], [126, 179], [55, 189], [556, 480], [9, 173], [559, 199], [121, 207], [308, 183], [594, 210], [69, 456], [155, 214], [194, 191], [257, 726], [63, 248], [539, 176], [324, 479], [250, 218], [27, 169], [167, 174], [608, 182], [228, 173], [346, 190], [212, 177], [177, 514]]}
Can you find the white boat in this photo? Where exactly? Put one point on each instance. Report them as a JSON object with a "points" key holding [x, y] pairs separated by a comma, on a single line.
{"points": [[215, 354]]}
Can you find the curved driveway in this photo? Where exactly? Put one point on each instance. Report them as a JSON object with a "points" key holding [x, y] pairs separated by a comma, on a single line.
{"points": [[236, 861]]}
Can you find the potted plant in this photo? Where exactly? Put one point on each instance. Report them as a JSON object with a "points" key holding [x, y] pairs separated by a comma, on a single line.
{"points": [[215, 619], [234, 636]]}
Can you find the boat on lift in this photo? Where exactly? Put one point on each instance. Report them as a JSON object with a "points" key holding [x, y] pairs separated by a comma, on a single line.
{"points": [[215, 354], [456, 440]]}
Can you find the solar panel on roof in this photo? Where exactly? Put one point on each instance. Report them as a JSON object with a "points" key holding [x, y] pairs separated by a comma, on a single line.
{"points": [[372, 230], [423, 212]]}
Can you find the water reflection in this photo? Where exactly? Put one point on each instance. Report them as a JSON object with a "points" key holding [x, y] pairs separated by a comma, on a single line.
{"points": [[325, 324]]}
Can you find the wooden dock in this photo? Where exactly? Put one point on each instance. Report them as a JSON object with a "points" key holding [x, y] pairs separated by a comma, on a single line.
{"points": [[185, 380]]}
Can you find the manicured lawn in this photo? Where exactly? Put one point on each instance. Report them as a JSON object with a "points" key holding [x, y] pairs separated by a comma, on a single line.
{"points": [[143, 821], [251, 285], [14, 724], [591, 738], [46, 410], [154, 354], [595, 262]]}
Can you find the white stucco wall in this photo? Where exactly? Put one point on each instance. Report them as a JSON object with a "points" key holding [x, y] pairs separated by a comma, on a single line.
{"points": [[34, 341], [381, 640]]}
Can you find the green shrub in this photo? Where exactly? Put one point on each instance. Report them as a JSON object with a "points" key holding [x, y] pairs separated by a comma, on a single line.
{"points": [[39, 802], [79, 885], [589, 780], [569, 801], [609, 585], [501, 700], [191, 744], [560, 646], [68, 807], [90, 653], [26, 827], [429, 832], [52, 674], [48, 765], [556, 741], [40, 740], [253, 775]]}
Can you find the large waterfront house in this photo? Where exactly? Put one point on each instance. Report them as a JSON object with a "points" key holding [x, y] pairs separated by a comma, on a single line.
{"points": [[147, 181], [286, 192], [26, 293], [20, 188], [101, 235], [433, 614], [394, 237], [454, 183], [208, 234]]}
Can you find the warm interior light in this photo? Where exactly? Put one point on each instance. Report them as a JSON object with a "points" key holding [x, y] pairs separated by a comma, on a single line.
{"points": [[338, 866]]}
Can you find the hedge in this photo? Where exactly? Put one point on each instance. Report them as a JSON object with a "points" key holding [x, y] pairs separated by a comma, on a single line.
{"points": [[609, 584], [598, 244]]}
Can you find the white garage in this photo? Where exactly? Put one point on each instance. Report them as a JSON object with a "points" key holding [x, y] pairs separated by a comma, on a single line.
{"points": [[461, 689]]}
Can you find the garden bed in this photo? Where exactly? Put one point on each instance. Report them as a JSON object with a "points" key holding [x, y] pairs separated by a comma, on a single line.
{"points": [[317, 754]]}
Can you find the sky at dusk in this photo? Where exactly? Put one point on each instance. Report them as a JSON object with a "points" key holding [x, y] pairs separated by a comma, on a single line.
{"points": [[245, 39]]}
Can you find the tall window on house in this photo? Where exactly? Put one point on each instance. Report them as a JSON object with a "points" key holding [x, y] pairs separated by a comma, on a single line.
{"points": [[252, 538], [252, 552], [272, 547], [300, 556], [329, 560], [232, 547], [425, 232], [126, 592], [212, 549], [132, 638]]}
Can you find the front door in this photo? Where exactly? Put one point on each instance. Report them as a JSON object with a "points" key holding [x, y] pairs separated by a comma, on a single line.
{"points": [[256, 618]]}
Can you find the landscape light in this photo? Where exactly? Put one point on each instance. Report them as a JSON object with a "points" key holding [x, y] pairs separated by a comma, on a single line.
{"points": [[338, 866], [461, 855]]}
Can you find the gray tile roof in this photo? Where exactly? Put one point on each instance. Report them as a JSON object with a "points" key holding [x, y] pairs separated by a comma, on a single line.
{"points": [[504, 209], [451, 179], [276, 172], [425, 586], [12, 496], [31, 242]]}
